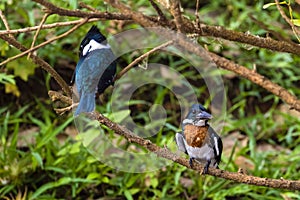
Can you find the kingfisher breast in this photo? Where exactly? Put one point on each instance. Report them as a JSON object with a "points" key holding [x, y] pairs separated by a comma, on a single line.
{"points": [[195, 135]]}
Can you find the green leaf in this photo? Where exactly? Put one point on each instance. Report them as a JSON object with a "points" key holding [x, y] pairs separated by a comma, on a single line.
{"points": [[128, 195], [296, 22], [93, 175], [7, 78], [272, 4], [105, 179], [22, 68], [154, 182], [73, 4], [36, 158], [120, 115], [53, 133], [12, 88]]}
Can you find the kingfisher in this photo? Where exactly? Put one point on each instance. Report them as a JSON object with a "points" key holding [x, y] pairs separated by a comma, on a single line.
{"points": [[198, 139], [95, 70]]}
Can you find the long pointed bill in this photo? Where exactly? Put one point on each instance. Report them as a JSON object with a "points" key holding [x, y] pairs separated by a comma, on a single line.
{"points": [[204, 115]]}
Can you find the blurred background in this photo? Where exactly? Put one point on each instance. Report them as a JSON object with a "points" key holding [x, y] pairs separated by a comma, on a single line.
{"points": [[40, 157]]}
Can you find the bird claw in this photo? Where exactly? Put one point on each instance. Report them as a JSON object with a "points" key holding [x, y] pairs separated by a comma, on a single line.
{"points": [[191, 162], [205, 169]]}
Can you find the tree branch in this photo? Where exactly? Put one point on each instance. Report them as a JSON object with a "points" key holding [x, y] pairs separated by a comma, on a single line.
{"points": [[44, 26], [165, 153], [161, 15], [82, 14], [258, 79], [5, 22], [205, 30], [46, 15], [83, 21], [175, 11], [186, 27], [40, 62], [251, 75], [295, 30], [142, 57]]}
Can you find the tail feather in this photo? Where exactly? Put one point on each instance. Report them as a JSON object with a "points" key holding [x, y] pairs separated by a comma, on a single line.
{"points": [[86, 104]]}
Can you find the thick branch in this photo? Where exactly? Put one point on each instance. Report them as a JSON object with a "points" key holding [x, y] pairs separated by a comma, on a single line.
{"points": [[267, 43], [221, 32], [205, 30], [258, 79], [165, 153], [136, 16], [82, 14], [251, 75]]}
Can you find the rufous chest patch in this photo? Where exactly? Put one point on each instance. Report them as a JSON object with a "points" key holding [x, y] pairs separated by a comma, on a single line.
{"points": [[195, 135]]}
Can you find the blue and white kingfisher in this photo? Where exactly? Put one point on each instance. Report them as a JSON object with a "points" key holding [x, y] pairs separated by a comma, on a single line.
{"points": [[94, 71], [198, 139]]}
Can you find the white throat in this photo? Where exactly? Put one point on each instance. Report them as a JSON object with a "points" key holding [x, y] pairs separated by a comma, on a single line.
{"points": [[93, 45], [196, 123]]}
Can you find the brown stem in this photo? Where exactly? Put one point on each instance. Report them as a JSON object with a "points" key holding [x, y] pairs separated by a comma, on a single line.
{"points": [[5, 22], [40, 62], [37, 32], [175, 11], [44, 26], [142, 57], [83, 21], [165, 153], [161, 15], [295, 30]]}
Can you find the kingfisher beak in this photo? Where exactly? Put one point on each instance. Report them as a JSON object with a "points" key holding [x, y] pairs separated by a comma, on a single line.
{"points": [[204, 115]]}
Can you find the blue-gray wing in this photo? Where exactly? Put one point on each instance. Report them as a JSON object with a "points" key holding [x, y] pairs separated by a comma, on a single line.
{"points": [[216, 144], [179, 138], [91, 70]]}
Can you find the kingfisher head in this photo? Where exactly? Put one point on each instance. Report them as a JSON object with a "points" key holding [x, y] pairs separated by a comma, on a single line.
{"points": [[93, 40], [197, 116]]}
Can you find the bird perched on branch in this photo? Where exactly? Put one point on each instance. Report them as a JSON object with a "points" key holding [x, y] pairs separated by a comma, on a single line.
{"points": [[94, 71], [198, 139]]}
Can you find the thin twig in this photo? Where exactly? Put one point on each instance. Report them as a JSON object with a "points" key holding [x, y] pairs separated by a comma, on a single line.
{"points": [[243, 71], [258, 79], [159, 11], [274, 33], [197, 13], [83, 21], [55, 96], [176, 12], [142, 57], [45, 26], [83, 5], [38, 31], [40, 62], [295, 30], [62, 111], [5, 22]]}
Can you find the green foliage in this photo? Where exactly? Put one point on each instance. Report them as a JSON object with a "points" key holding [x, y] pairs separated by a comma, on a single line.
{"points": [[45, 166]]}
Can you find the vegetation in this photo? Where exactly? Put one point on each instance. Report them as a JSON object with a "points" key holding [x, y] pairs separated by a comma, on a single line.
{"points": [[42, 158]]}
